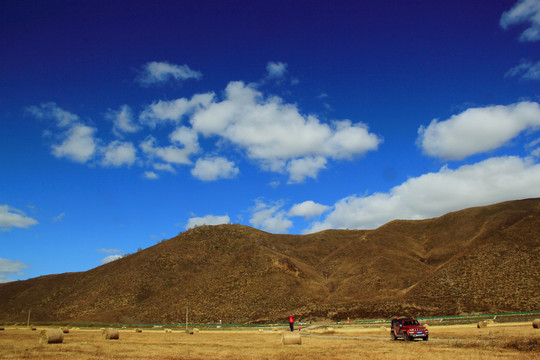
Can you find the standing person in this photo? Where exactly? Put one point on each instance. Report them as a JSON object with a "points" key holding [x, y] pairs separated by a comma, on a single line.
{"points": [[291, 321]]}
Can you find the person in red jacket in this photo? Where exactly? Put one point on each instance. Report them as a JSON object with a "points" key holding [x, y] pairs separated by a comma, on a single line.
{"points": [[291, 321]]}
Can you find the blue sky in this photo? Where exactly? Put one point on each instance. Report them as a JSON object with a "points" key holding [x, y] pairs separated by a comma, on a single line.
{"points": [[123, 125]]}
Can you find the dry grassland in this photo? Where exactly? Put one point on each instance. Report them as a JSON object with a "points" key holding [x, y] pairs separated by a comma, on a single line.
{"points": [[497, 341]]}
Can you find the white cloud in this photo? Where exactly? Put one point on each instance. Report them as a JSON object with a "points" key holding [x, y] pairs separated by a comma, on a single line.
{"points": [[150, 175], [169, 154], [308, 209], [164, 167], [123, 121], [524, 11], [434, 194], [213, 168], [525, 70], [162, 112], [9, 268], [11, 217], [301, 168], [119, 153], [270, 217], [50, 110], [109, 251], [477, 130], [159, 72], [207, 220], [275, 133], [79, 144], [110, 258], [276, 69]]}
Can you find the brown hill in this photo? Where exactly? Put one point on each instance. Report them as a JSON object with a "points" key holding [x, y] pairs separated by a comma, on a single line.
{"points": [[483, 259]]}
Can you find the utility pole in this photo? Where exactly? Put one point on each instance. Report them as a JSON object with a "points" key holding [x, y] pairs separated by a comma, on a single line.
{"points": [[28, 322], [187, 319]]}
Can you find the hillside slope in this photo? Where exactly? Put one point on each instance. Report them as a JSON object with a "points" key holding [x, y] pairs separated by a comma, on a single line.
{"points": [[483, 259]]}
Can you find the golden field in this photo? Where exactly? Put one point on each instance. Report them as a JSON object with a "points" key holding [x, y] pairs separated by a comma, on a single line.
{"points": [[497, 341]]}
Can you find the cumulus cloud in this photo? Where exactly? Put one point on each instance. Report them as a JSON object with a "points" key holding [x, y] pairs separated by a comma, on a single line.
{"points": [[119, 153], [207, 220], [123, 122], [79, 144], [276, 134], [150, 175], [11, 217], [477, 130], [270, 217], [308, 209], [524, 11], [276, 70], [162, 112], [10, 268], [110, 258], [213, 168], [169, 154], [525, 70], [434, 194], [159, 72]]}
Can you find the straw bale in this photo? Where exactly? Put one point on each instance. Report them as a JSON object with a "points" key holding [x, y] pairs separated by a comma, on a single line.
{"points": [[293, 338], [65, 330], [53, 336], [111, 334], [2, 329], [482, 324], [536, 324], [138, 330]]}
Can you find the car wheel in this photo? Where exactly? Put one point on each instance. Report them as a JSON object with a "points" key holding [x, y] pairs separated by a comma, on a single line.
{"points": [[406, 337], [393, 335], [425, 338]]}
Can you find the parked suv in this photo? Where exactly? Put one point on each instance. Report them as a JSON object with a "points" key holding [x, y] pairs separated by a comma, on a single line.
{"points": [[408, 329]]}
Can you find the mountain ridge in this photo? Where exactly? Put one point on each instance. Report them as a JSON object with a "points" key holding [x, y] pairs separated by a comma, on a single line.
{"points": [[480, 259]]}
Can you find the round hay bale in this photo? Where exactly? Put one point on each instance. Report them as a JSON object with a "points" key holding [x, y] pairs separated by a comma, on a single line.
{"points": [[196, 330], [261, 330], [54, 336], [383, 328], [536, 324], [293, 338], [111, 334], [168, 330], [65, 330], [189, 331], [33, 328], [138, 330], [482, 324], [2, 329]]}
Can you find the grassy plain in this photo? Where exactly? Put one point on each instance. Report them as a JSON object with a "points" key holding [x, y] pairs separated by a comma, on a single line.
{"points": [[497, 341]]}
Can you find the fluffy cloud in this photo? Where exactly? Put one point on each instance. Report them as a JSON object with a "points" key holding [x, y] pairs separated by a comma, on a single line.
{"points": [[270, 217], [158, 72], [11, 217], [524, 11], [308, 209], [526, 70], [162, 112], [169, 154], [123, 122], [213, 168], [275, 133], [78, 145], [119, 153], [434, 194], [9, 268], [276, 69], [207, 220], [477, 130], [150, 175]]}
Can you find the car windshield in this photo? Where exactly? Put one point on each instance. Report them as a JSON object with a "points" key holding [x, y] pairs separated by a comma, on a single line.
{"points": [[410, 322]]}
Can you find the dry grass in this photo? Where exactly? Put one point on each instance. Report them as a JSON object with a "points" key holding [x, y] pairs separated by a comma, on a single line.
{"points": [[501, 341]]}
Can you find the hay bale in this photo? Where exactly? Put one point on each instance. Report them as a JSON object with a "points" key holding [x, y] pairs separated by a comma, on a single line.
{"points": [[65, 330], [168, 330], [261, 330], [383, 328], [2, 329], [536, 324], [196, 330], [482, 324], [111, 334], [138, 330], [189, 331], [33, 328], [293, 338], [54, 336]]}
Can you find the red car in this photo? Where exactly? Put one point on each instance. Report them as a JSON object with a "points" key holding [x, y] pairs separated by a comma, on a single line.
{"points": [[408, 329]]}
